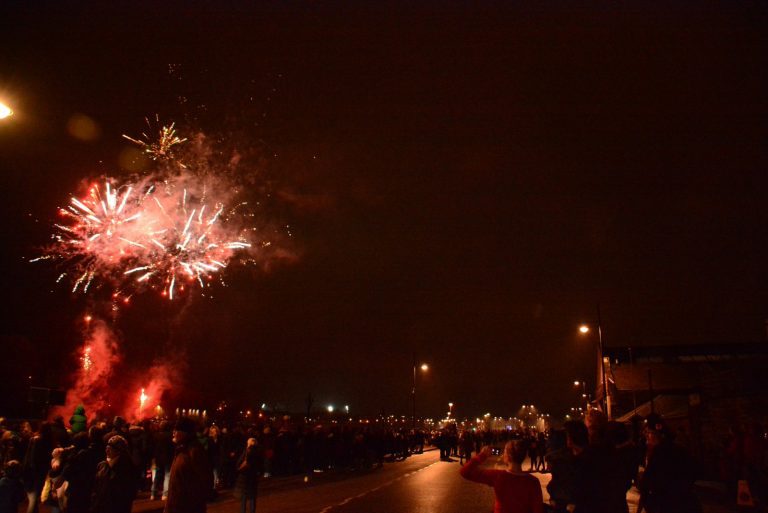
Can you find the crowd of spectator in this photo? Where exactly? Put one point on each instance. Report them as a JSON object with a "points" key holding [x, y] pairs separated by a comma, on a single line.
{"points": [[99, 467], [593, 464]]}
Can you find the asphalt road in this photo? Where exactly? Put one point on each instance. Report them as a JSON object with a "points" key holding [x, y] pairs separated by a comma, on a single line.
{"points": [[420, 484]]}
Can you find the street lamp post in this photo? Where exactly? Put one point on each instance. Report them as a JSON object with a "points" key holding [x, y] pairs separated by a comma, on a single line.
{"points": [[424, 367], [601, 349]]}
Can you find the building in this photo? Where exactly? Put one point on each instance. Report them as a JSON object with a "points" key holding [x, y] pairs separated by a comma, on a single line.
{"points": [[701, 390]]}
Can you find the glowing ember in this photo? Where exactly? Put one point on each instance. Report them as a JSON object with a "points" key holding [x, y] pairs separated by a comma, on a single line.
{"points": [[86, 359]]}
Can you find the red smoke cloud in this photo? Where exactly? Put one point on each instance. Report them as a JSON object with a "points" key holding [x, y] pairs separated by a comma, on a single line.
{"points": [[97, 359], [96, 380], [162, 377]]}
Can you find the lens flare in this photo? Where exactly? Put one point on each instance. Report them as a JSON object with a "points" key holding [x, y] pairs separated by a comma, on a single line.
{"points": [[5, 111]]}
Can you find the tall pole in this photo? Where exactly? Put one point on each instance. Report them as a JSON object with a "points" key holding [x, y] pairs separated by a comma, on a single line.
{"points": [[606, 399], [413, 393], [650, 390], [634, 394]]}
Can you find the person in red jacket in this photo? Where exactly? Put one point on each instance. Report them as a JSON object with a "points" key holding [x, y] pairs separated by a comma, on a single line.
{"points": [[516, 491]]}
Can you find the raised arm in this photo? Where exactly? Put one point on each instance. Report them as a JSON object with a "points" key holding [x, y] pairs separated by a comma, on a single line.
{"points": [[472, 471]]}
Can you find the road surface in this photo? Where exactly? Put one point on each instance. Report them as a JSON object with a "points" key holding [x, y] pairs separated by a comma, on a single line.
{"points": [[420, 484]]}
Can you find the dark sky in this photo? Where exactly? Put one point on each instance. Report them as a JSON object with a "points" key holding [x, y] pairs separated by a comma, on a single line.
{"points": [[463, 182]]}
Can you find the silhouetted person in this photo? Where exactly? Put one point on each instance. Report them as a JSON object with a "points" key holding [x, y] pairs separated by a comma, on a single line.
{"points": [[561, 463], [666, 486], [80, 470], [162, 455], [626, 464], [249, 468], [37, 463], [190, 480], [115, 485], [11, 489]]}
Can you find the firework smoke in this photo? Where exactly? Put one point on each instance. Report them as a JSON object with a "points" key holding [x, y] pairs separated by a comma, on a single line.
{"points": [[95, 383], [91, 387], [162, 377]]}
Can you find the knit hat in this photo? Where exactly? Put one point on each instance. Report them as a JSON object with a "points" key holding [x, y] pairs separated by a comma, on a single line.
{"points": [[118, 443]]}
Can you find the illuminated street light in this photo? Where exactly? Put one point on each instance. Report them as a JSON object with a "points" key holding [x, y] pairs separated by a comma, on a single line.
{"points": [[330, 408], [5, 111], [584, 328]]}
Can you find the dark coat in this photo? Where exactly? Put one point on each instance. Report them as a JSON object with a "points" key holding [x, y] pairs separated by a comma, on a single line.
{"points": [[667, 483], [11, 495], [562, 485], [115, 486], [80, 472], [249, 468], [190, 481], [162, 448], [37, 463]]}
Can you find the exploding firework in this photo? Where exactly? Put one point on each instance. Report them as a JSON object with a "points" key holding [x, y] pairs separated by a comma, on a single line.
{"points": [[163, 232], [192, 241], [162, 148], [100, 232]]}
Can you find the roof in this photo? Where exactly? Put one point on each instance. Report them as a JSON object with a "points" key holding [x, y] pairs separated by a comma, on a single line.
{"points": [[687, 352], [664, 377], [668, 406]]}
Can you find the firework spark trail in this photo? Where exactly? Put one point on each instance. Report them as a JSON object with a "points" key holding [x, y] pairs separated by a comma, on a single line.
{"points": [[100, 232], [163, 147]]}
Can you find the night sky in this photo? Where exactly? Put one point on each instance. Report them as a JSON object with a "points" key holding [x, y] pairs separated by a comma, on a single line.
{"points": [[465, 183]]}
